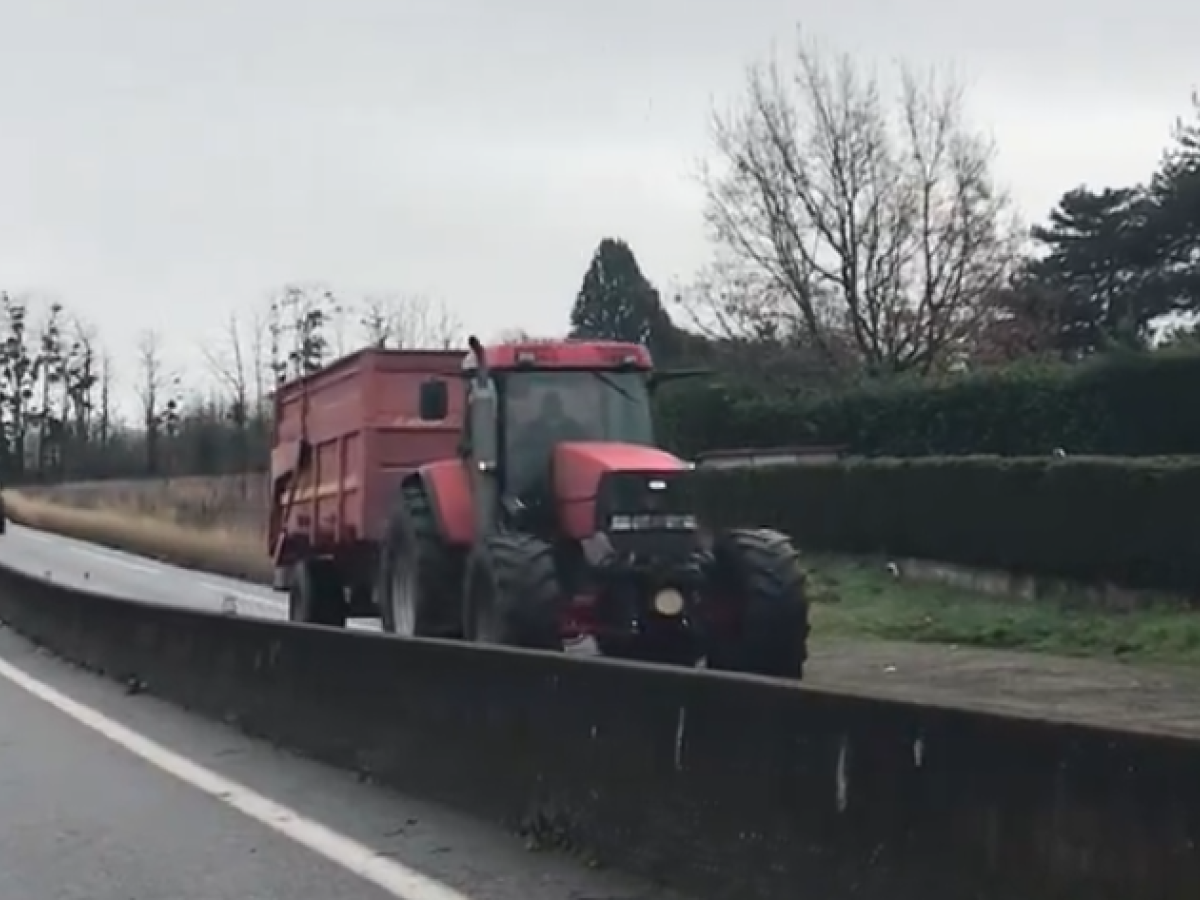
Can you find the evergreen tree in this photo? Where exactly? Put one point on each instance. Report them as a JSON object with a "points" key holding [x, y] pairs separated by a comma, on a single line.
{"points": [[1103, 266], [616, 302], [1175, 192], [1120, 259]]}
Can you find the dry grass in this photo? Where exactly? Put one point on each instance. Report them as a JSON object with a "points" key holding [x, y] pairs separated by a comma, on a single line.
{"points": [[234, 503], [213, 525]]}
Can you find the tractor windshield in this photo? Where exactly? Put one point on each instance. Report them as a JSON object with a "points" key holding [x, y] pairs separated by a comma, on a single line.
{"points": [[544, 408]]}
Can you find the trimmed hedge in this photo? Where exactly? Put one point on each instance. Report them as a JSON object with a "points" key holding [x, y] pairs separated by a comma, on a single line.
{"points": [[1140, 404], [1134, 523]]}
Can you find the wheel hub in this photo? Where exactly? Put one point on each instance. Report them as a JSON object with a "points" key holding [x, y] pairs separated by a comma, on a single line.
{"points": [[669, 602]]}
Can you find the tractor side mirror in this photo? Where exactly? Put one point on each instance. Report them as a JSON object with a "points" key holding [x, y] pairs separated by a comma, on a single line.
{"points": [[434, 400]]}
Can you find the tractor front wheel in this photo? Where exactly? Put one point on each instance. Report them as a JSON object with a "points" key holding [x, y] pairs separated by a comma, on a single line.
{"points": [[512, 595], [418, 578], [758, 572]]}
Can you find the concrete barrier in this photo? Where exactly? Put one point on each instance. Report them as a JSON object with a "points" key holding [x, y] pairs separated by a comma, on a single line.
{"points": [[727, 788]]}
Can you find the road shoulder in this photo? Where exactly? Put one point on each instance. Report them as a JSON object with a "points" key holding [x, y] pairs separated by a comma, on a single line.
{"points": [[475, 858]]}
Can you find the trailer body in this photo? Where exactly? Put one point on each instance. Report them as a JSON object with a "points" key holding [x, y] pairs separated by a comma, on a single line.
{"points": [[344, 438]]}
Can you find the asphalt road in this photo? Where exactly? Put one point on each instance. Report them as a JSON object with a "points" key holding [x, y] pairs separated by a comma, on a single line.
{"points": [[80, 564], [105, 571], [89, 817]]}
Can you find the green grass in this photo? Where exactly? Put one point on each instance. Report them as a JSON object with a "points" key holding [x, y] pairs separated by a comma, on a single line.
{"points": [[853, 599]]}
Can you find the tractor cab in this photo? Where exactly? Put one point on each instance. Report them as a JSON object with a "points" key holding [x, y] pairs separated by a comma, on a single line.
{"points": [[540, 409], [527, 399]]}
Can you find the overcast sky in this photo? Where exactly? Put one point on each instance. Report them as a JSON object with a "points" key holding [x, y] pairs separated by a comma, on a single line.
{"points": [[164, 162]]}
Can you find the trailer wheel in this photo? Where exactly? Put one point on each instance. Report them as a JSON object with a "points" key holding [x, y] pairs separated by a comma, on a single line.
{"points": [[315, 595], [419, 576], [512, 595], [759, 571]]}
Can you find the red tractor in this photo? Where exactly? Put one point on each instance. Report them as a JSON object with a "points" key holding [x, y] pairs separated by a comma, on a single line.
{"points": [[560, 519]]}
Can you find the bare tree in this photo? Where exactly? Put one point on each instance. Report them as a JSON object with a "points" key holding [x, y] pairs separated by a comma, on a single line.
{"points": [[851, 221], [260, 364], [49, 368], [376, 320], [514, 336], [18, 381], [79, 380], [104, 411], [412, 320], [299, 322], [336, 319], [155, 389], [229, 365]]}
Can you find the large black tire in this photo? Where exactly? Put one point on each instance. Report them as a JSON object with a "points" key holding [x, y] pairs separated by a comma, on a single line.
{"points": [[512, 595], [316, 595], [759, 571], [419, 576]]}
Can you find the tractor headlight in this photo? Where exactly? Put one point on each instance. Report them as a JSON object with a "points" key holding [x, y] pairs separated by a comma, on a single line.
{"points": [[653, 522]]}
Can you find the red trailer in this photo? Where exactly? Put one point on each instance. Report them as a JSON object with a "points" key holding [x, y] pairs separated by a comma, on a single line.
{"points": [[345, 437]]}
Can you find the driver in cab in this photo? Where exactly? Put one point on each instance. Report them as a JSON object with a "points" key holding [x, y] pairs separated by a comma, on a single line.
{"points": [[537, 420]]}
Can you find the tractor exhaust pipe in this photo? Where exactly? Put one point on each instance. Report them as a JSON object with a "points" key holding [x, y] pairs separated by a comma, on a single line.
{"points": [[481, 366], [484, 415]]}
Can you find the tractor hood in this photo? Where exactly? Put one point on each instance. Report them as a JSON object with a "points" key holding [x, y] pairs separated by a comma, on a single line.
{"points": [[579, 465]]}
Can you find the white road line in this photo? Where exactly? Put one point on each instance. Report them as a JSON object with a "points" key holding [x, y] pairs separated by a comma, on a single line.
{"points": [[29, 531], [150, 567], [393, 877], [118, 561]]}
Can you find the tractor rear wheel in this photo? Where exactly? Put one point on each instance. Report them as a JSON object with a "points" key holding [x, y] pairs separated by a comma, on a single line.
{"points": [[316, 595], [419, 576], [512, 595], [758, 571]]}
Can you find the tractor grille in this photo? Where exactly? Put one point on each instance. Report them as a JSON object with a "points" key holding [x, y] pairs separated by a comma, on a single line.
{"points": [[654, 545], [645, 501]]}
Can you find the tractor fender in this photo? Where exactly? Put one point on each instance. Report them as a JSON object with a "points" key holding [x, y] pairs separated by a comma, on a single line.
{"points": [[448, 488]]}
